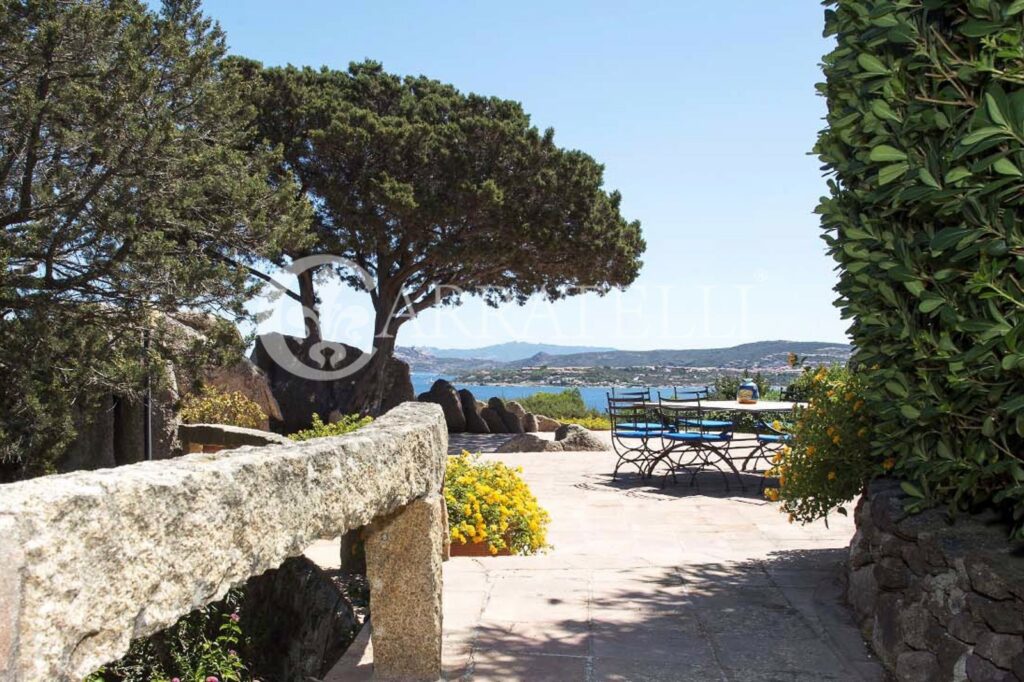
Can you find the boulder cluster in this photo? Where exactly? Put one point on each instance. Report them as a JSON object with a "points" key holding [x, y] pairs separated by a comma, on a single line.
{"points": [[465, 414]]}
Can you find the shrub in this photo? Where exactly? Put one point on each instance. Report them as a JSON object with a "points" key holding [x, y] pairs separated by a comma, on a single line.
{"points": [[567, 404], [829, 460], [925, 141], [726, 387], [213, 406], [489, 502], [347, 424], [203, 644], [595, 423]]}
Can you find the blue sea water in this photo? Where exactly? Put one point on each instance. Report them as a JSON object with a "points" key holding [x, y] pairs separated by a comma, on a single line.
{"points": [[593, 396]]}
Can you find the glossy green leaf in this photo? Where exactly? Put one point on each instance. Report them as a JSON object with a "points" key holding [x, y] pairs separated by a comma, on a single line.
{"points": [[872, 64], [1005, 167], [885, 153], [891, 173]]}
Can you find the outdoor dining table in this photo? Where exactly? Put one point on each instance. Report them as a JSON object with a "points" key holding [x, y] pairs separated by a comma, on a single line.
{"points": [[758, 410]]}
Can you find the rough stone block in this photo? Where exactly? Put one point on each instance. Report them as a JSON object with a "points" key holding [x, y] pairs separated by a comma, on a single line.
{"points": [[980, 670], [90, 560], [1000, 649], [227, 437], [403, 566], [917, 666]]}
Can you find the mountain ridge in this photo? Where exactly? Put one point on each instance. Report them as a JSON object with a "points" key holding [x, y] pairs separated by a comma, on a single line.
{"points": [[757, 354]]}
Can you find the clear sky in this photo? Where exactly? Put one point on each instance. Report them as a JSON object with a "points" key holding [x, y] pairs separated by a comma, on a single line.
{"points": [[703, 114]]}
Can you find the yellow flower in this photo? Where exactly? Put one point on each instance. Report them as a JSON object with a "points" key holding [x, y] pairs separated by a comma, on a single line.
{"points": [[771, 494], [832, 476], [888, 463], [811, 450]]}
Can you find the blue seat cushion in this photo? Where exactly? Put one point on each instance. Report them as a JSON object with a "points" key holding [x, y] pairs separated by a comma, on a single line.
{"points": [[639, 426], [693, 436], [773, 438], [708, 423], [621, 433]]}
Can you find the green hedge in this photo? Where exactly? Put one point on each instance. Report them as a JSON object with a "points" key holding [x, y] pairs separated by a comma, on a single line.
{"points": [[924, 143]]}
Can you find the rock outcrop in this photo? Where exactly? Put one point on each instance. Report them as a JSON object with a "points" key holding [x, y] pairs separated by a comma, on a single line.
{"points": [[471, 409], [528, 442], [287, 360], [492, 418], [546, 424], [530, 423], [510, 419], [445, 395], [576, 438], [246, 378], [303, 620]]}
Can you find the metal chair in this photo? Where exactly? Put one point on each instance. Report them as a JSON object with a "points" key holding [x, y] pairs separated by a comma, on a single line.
{"points": [[698, 394], [769, 440], [691, 442], [632, 431]]}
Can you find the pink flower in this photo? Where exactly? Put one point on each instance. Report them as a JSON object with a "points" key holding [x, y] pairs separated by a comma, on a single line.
{"points": [[175, 679], [211, 678], [235, 617]]}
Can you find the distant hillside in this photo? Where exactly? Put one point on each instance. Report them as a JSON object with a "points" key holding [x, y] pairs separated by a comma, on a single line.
{"points": [[502, 352], [761, 354]]}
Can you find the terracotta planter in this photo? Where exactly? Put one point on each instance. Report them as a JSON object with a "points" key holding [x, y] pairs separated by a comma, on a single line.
{"points": [[475, 549]]}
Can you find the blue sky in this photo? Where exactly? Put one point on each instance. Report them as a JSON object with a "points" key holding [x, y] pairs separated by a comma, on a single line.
{"points": [[703, 114]]}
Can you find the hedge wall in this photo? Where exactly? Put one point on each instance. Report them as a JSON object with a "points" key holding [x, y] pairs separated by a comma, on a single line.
{"points": [[924, 149]]}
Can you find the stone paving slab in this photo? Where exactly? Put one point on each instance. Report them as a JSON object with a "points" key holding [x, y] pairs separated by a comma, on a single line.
{"points": [[645, 583]]}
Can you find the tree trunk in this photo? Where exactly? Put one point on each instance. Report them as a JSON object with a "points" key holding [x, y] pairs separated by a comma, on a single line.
{"points": [[310, 304], [368, 393]]}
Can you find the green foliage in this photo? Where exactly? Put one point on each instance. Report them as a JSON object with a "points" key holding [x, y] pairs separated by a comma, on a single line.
{"points": [[346, 424], [726, 387], [213, 406], [437, 193], [129, 183], [567, 404], [829, 459], [206, 643], [925, 142]]}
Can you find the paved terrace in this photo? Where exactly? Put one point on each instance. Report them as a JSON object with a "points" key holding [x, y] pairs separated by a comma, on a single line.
{"points": [[649, 584]]}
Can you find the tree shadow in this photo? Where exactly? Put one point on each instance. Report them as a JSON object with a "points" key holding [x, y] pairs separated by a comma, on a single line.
{"points": [[747, 485], [782, 618]]}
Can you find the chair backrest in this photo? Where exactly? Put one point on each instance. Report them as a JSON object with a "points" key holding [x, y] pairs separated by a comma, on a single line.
{"points": [[635, 393], [681, 411], [691, 393], [626, 410]]}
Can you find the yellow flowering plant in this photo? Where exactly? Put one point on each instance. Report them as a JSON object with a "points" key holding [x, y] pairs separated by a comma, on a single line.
{"points": [[829, 460], [490, 502], [214, 406], [597, 423]]}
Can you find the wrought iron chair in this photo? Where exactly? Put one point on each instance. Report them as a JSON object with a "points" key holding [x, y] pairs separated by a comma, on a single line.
{"points": [[691, 442], [698, 394], [770, 438], [648, 421], [632, 431]]}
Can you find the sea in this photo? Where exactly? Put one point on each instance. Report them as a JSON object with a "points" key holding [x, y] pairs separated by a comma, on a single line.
{"points": [[593, 396]]}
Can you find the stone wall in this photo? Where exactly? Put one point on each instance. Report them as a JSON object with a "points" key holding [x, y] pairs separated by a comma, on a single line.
{"points": [[91, 560], [938, 601]]}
